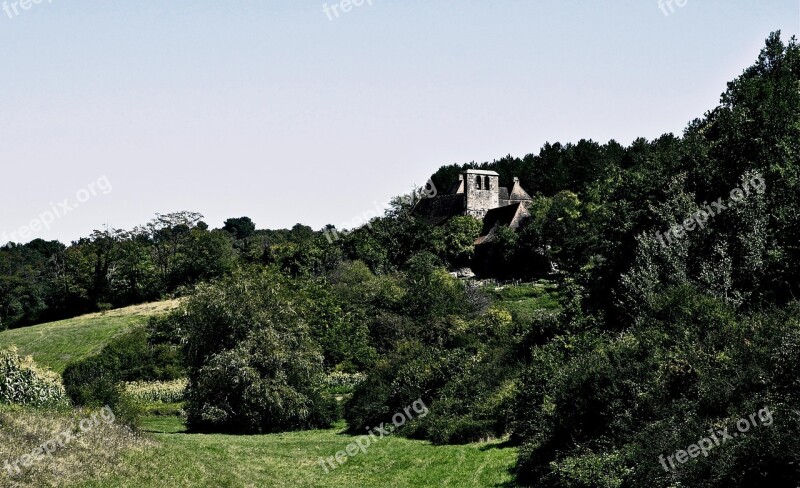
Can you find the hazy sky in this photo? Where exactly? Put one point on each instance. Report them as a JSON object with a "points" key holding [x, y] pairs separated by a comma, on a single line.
{"points": [[270, 109]]}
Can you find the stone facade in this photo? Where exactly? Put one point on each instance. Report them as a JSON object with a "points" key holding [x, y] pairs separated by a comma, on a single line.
{"points": [[482, 192]]}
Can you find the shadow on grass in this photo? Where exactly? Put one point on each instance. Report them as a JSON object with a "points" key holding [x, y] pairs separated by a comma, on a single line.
{"points": [[501, 445], [164, 425]]}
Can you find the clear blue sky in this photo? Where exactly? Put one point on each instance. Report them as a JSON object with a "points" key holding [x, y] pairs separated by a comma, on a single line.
{"points": [[268, 109]]}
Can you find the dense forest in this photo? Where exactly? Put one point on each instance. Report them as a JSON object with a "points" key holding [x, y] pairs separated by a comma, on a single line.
{"points": [[677, 268]]}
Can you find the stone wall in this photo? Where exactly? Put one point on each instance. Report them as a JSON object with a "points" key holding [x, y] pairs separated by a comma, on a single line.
{"points": [[480, 201]]}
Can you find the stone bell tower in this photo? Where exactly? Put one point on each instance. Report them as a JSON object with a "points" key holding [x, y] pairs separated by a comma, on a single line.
{"points": [[482, 192]]}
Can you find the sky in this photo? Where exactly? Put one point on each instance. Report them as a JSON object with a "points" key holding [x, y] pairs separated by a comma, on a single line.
{"points": [[308, 111]]}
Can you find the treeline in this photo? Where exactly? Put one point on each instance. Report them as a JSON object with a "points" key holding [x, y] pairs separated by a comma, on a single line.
{"points": [[46, 280], [41, 280]]}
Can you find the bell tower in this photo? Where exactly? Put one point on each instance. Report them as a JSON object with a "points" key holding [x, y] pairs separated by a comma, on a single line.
{"points": [[482, 191]]}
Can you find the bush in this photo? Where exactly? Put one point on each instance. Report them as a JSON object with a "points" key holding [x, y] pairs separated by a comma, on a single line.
{"points": [[414, 372], [465, 364], [254, 367], [600, 410], [96, 381]]}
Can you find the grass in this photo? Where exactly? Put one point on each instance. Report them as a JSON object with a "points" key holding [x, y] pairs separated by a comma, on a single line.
{"points": [[292, 460], [524, 301], [56, 344], [95, 446]]}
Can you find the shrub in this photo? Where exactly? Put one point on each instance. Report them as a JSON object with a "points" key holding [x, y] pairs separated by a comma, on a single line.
{"points": [[414, 372], [599, 409], [254, 367], [97, 380]]}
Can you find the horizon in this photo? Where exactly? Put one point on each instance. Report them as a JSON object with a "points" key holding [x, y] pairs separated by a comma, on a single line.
{"points": [[256, 108]]}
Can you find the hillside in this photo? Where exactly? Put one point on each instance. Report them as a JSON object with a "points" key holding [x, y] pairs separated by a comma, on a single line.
{"points": [[55, 344]]}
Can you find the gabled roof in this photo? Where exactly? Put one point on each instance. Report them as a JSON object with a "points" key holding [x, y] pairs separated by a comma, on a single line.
{"points": [[500, 215], [439, 210], [507, 216], [457, 187]]}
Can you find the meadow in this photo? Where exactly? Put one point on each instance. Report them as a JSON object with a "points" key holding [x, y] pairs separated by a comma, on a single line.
{"points": [[292, 459]]}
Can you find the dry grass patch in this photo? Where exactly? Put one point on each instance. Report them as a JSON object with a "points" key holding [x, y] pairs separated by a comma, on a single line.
{"points": [[84, 444]]}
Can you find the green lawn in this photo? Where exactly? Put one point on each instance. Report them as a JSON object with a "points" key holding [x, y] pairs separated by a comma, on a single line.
{"points": [[292, 460], [526, 300], [55, 344]]}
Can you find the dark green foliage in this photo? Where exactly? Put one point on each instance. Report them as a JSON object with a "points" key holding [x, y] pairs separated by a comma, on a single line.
{"points": [[253, 364], [240, 228], [459, 234], [414, 372], [461, 359], [271, 382], [628, 399], [135, 356], [42, 281]]}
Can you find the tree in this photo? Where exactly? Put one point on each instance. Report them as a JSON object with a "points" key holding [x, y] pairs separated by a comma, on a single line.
{"points": [[240, 228], [169, 235], [253, 365], [460, 234]]}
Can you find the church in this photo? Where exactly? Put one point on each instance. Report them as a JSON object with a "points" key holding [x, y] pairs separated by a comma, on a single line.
{"points": [[478, 194]]}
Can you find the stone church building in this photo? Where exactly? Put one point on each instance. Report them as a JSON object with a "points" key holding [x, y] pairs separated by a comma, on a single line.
{"points": [[478, 193]]}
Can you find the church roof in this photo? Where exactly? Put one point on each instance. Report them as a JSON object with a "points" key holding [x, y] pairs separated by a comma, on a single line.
{"points": [[507, 216], [501, 215], [439, 210], [457, 187]]}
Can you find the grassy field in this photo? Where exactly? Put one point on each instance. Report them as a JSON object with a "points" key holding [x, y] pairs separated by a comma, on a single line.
{"points": [[55, 344], [292, 460]]}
